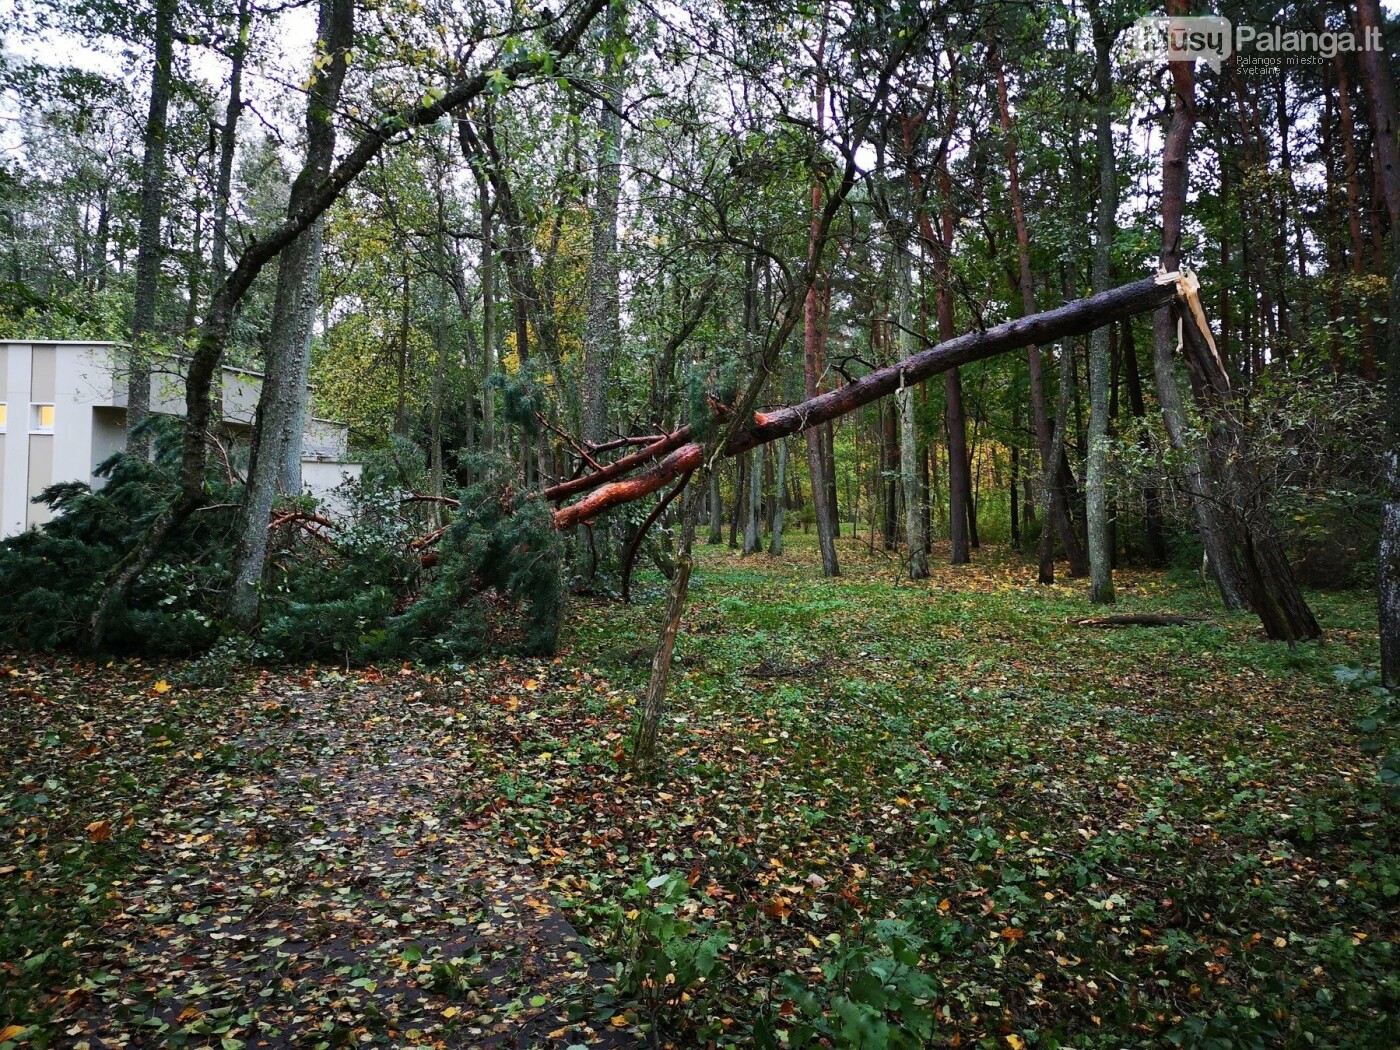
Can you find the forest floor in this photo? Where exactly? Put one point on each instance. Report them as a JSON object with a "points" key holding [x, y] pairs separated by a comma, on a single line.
{"points": [[885, 814]]}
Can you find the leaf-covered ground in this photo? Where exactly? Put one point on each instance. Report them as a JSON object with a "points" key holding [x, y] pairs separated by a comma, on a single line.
{"points": [[887, 814]]}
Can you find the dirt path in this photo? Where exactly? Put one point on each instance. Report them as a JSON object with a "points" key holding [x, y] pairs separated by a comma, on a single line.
{"points": [[319, 888]]}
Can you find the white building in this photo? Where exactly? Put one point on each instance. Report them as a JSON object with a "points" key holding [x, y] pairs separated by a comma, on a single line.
{"points": [[63, 411]]}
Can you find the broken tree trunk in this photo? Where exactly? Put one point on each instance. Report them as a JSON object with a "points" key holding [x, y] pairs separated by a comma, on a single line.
{"points": [[611, 487]]}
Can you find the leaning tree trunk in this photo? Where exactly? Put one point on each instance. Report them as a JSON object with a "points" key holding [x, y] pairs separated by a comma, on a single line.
{"points": [[1096, 482], [644, 745], [1381, 92], [148, 239], [282, 400]]}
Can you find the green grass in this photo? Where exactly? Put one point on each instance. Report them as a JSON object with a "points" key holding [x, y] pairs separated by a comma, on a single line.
{"points": [[1094, 837], [885, 813]]}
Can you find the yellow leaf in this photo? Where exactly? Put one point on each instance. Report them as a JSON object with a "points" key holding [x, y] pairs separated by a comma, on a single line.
{"points": [[619, 1021], [11, 1031], [451, 1011], [1015, 1042], [162, 686]]}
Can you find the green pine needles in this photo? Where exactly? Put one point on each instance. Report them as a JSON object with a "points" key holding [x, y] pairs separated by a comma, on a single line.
{"points": [[393, 578]]}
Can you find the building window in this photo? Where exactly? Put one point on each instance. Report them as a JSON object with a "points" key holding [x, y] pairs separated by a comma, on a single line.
{"points": [[41, 419]]}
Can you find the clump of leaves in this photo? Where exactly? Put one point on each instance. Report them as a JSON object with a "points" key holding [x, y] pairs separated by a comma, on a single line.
{"points": [[663, 949]]}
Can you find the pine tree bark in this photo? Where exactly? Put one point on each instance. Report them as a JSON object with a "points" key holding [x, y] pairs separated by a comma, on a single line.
{"points": [[148, 238], [1059, 517]]}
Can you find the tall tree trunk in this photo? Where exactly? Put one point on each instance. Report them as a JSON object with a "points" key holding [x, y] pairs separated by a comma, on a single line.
{"points": [[401, 364], [775, 541], [282, 400], [890, 449], [813, 364], [716, 511], [959, 468], [1059, 515], [909, 447], [1096, 481], [602, 331], [1353, 177], [753, 516], [1381, 91], [1199, 483], [740, 480], [148, 238], [1152, 515], [228, 141]]}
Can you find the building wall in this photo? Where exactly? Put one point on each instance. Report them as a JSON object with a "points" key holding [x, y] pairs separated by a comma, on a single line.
{"points": [[87, 385]]}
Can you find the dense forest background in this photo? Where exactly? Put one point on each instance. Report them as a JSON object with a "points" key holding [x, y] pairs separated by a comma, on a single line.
{"points": [[584, 249]]}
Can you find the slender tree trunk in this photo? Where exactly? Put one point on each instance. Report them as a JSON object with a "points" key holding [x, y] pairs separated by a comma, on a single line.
{"points": [[602, 331], [775, 541], [741, 479], [1381, 91], [716, 511], [753, 517], [812, 364], [1198, 472], [1096, 482], [890, 416], [148, 237], [228, 141], [959, 473], [649, 724], [281, 402], [1059, 516], [909, 448], [1050, 487], [1353, 177], [1152, 515]]}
